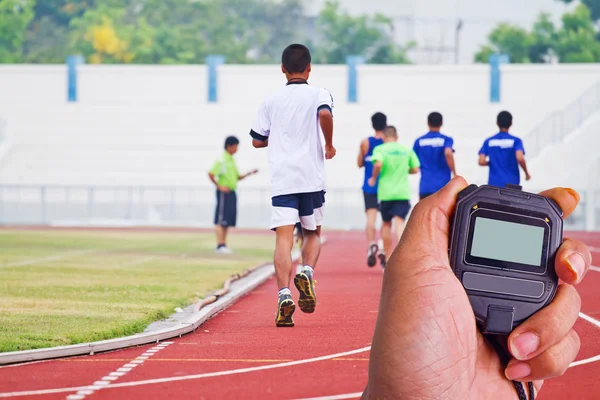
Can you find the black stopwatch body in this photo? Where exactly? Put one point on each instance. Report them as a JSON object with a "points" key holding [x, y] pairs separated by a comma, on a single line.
{"points": [[503, 244]]}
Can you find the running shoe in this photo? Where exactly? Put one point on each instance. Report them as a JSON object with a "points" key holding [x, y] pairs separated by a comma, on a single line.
{"points": [[285, 310], [306, 286], [372, 255], [382, 259]]}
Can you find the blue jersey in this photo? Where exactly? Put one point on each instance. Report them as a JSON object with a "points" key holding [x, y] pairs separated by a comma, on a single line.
{"points": [[435, 172], [373, 142], [501, 150]]}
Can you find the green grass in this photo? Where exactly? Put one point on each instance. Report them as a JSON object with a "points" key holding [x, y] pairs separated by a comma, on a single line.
{"points": [[67, 287]]}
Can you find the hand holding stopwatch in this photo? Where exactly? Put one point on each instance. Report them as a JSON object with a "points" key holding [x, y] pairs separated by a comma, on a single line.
{"points": [[503, 244]]}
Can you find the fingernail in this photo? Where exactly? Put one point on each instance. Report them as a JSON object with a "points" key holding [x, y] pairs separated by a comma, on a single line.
{"points": [[524, 344], [574, 194], [517, 371], [576, 264]]}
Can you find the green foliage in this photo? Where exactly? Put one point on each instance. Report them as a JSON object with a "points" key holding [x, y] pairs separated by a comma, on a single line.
{"points": [[185, 31], [15, 15], [342, 34], [593, 5], [576, 41]]}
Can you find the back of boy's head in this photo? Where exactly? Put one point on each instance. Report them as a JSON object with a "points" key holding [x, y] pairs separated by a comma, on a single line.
{"points": [[435, 120], [379, 121], [390, 132], [231, 141], [504, 120]]}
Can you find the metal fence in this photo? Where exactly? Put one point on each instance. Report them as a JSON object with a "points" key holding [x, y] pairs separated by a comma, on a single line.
{"points": [[560, 124], [183, 207]]}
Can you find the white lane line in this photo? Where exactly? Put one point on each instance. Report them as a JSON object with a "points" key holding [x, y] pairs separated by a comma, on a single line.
{"points": [[105, 381], [596, 269], [596, 323], [54, 257], [589, 319], [594, 249], [337, 397], [186, 377]]}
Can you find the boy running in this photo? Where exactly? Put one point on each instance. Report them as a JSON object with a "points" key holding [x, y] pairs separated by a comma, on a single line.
{"points": [[289, 123], [504, 153], [379, 122], [393, 162], [436, 156]]}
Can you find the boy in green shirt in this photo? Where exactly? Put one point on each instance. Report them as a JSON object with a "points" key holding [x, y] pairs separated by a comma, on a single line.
{"points": [[224, 174], [393, 162]]}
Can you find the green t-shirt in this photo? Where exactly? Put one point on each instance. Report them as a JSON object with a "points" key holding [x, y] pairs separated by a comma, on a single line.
{"points": [[397, 160], [225, 171]]}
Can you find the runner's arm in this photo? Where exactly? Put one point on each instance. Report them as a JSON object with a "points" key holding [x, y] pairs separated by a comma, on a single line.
{"points": [[482, 160], [326, 121], [260, 144], [376, 169], [361, 153], [261, 127], [450, 160], [521, 160], [414, 164]]}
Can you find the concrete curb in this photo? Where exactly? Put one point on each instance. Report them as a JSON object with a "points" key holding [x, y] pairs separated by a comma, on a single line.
{"points": [[238, 289]]}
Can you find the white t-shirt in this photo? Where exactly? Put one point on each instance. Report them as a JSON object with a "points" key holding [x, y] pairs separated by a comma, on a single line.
{"points": [[289, 119]]}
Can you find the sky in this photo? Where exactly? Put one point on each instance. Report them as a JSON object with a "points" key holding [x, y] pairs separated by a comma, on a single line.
{"points": [[431, 23]]}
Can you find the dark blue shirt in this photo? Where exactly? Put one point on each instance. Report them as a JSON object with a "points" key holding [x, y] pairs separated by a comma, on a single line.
{"points": [[435, 172], [373, 142], [501, 150]]}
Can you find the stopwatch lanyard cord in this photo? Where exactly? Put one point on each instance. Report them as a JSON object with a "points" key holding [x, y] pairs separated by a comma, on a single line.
{"points": [[499, 343]]}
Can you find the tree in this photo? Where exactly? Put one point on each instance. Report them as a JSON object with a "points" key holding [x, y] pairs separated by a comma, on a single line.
{"points": [[182, 31], [341, 35], [543, 40], [508, 39], [593, 5], [15, 16], [47, 38], [577, 42]]}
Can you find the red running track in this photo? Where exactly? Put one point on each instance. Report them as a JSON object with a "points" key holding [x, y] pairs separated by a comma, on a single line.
{"points": [[240, 354]]}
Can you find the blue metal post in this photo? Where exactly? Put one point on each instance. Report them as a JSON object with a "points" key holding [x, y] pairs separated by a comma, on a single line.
{"points": [[495, 75], [72, 63], [212, 62], [352, 62]]}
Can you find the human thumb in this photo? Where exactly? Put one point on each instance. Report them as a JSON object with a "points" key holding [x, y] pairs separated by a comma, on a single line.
{"points": [[425, 240]]}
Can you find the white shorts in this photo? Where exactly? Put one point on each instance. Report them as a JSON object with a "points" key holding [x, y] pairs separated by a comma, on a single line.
{"points": [[306, 208]]}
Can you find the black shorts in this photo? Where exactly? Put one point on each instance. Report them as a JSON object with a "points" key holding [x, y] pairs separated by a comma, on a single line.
{"points": [[424, 195], [371, 201], [394, 208], [226, 210]]}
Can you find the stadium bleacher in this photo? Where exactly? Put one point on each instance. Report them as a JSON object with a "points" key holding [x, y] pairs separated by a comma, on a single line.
{"points": [[151, 127]]}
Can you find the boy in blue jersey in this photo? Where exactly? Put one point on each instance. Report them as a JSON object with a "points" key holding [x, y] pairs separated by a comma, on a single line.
{"points": [[503, 153], [436, 155], [379, 123]]}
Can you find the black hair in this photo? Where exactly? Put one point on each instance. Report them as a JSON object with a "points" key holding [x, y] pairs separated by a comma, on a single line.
{"points": [[379, 121], [296, 58], [504, 120], [435, 120], [231, 141]]}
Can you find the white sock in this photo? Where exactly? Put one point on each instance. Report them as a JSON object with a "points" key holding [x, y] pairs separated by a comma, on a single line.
{"points": [[284, 291], [309, 269]]}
